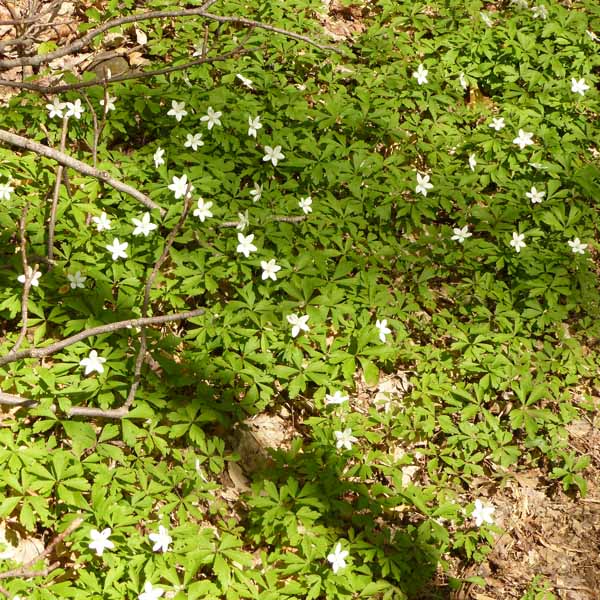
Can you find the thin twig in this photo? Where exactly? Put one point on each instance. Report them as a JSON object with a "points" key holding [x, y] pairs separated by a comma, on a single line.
{"points": [[86, 333], [139, 361], [83, 42], [77, 165], [26, 20], [58, 89], [94, 147], [208, 4], [24, 570], [59, 176], [28, 273], [14, 400], [297, 219]]}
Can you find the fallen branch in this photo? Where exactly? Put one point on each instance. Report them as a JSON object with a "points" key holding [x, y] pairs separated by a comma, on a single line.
{"points": [[297, 219], [59, 89], [56, 194], [24, 571], [86, 333], [29, 275], [139, 361], [77, 165], [83, 42]]}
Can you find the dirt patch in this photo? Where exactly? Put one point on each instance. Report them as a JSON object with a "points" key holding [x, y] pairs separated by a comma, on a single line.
{"points": [[548, 535]]}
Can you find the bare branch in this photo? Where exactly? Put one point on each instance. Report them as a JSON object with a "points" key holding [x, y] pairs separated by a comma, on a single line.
{"points": [[59, 176], [208, 4], [86, 333], [158, 14], [24, 570], [58, 89], [297, 219], [13, 400], [139, 361], [29, 275], [77, 165]]}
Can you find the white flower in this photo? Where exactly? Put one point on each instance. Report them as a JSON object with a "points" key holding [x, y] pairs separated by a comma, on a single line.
{"points": [[194, 141], [253, 126], [421, 74], [247, 82], [579, 86], [535, 196], [423, 184], [517, 241], [5, 191], [576, 246], [161, 540], [143, 226], [93, 363], [497, 123], [77, 280], [110, 105], [102, 222], [305, 204], [242, 221], [298, 323], [256, 193], [117, 249], [525, 138], [35, 278], [486, 19], [198, 50], [245, 245], [180, 186], [150, 592], [270, 269], [212, 117], [463, 81], [344, 439], [74, 109], [100, 541], [203, 211], [383, 329], [158, 157], [460, 235], [56, 108], [338, 558], [539, 11], [273, 154], [336, 398], [472, 162], [177, 110], [482, 513]]}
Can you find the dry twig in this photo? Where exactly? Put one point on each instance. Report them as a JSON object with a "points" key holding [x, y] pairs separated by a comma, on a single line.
{"points": [[59, 177], [29, 274], [77, 165], [84, 41], [100, 329], [139, 361], [25, 571]]}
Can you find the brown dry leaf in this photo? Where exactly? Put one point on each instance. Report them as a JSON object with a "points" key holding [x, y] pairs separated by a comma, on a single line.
{"points": [[137, 59], [28, 550], [240, 481]]}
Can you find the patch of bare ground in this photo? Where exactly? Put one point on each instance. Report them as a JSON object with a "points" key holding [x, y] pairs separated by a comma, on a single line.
{"points": [[547, 534]]}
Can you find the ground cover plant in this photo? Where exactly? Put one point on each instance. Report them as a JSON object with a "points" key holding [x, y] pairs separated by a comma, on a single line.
{"points": [[288, 296]]}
